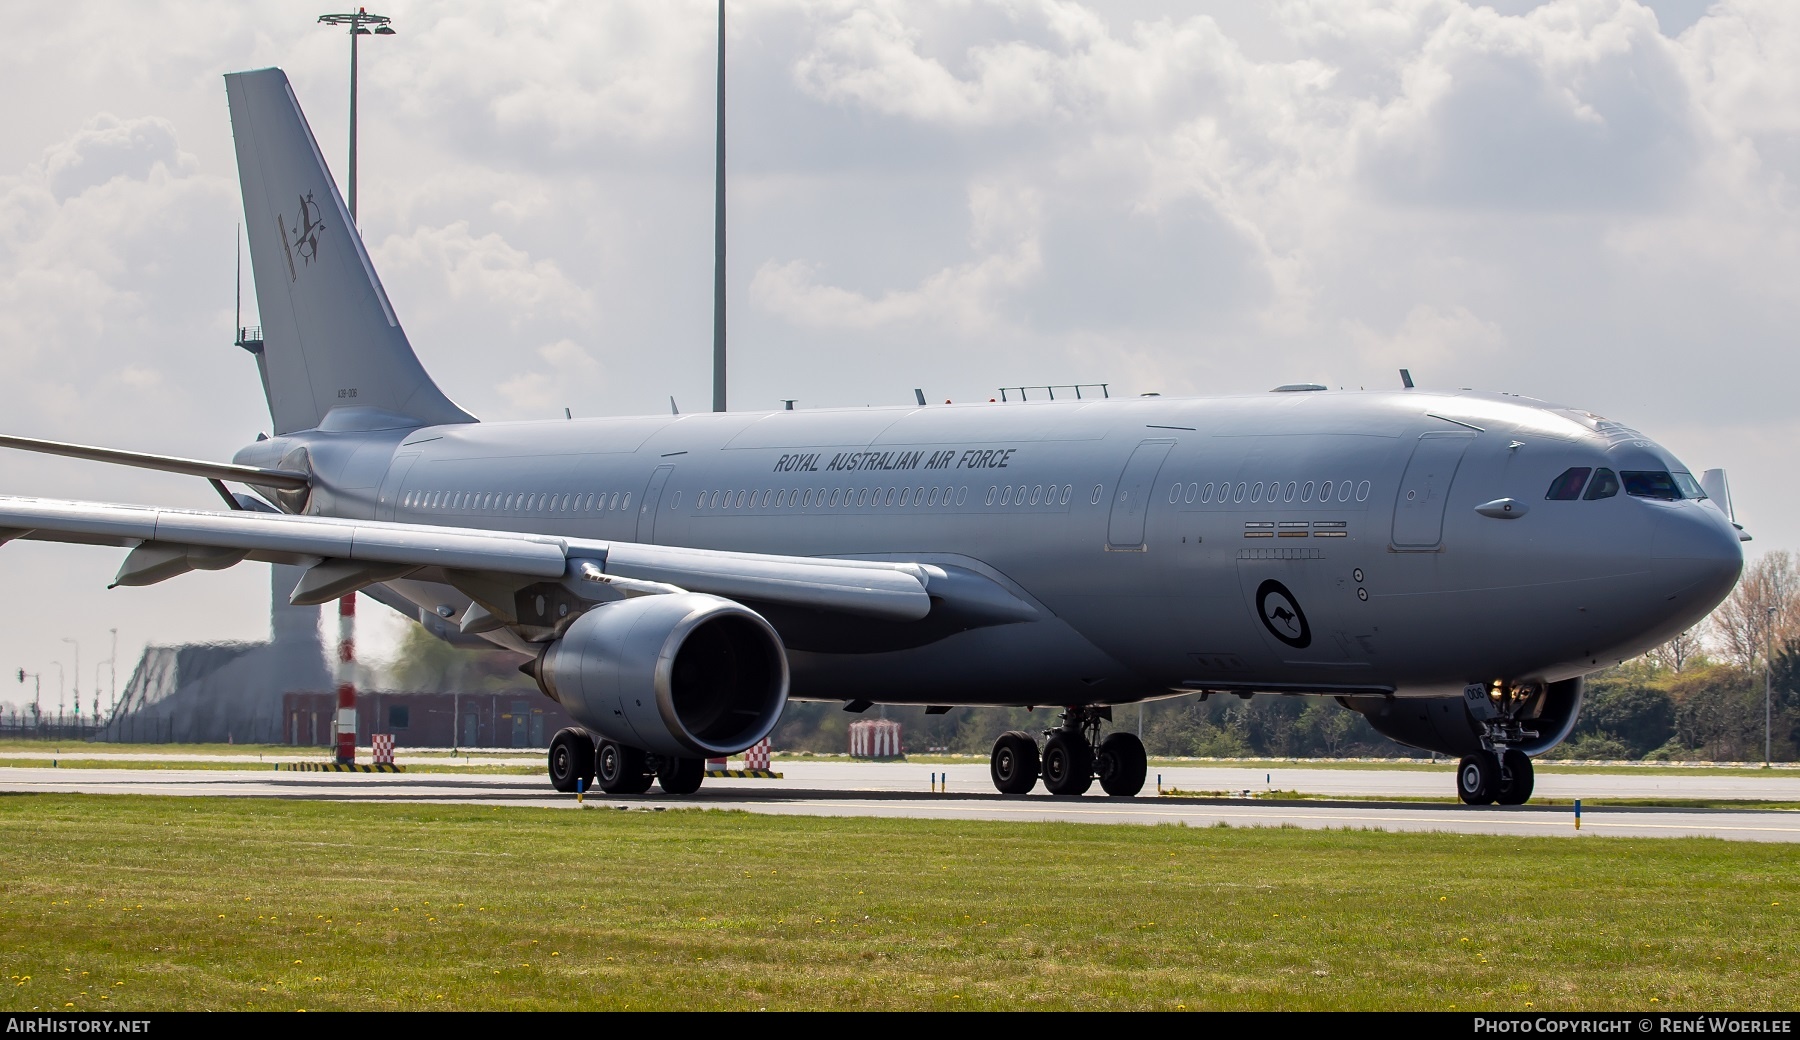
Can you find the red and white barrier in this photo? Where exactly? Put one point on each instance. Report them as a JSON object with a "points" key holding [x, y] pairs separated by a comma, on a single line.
{"points": [[875, 738], [383, 745], [757, 756]]}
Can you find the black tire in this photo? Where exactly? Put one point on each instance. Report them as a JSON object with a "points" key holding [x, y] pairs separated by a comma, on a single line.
{"points": [[1476, 777], [621, 769], [1068, 764], [680, 775], [1515, 787], [1014, 765], [1122, 764], [571, 760]]}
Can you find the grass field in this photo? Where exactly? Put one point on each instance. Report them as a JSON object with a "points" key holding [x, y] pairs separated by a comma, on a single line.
{"points": [[147, 903]]}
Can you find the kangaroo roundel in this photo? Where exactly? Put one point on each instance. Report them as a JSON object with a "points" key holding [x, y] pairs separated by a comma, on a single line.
{"points": [[1281, 614]]}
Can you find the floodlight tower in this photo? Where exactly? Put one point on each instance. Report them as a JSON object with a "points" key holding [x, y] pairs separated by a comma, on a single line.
{"points": [[360, 25]]}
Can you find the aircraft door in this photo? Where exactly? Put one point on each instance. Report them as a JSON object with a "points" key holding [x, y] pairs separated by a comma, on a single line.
{"points": [[1131, 499], [394, 485], [1425, 489], [651, 501]]}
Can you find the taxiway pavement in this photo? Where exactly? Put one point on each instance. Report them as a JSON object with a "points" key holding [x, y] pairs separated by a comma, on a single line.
{"points": [[902, 790]]}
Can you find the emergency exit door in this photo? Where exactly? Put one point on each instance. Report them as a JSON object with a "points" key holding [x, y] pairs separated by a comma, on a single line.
{"points": [[1131, 499], [1425, 489]]}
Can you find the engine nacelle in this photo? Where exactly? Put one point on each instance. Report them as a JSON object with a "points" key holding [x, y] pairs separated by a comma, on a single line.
{"points": [[686, 674], [1444, 725]]}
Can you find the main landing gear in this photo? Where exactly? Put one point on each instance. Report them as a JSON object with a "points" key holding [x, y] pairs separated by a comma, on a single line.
{"points": [[576, 762], [1071, 758]]}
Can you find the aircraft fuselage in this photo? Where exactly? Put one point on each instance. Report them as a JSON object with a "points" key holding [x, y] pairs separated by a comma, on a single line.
{"points": [[1317, 541]]}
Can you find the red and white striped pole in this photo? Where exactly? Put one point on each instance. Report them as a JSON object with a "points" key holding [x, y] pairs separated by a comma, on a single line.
{"points": [[346, 681]]}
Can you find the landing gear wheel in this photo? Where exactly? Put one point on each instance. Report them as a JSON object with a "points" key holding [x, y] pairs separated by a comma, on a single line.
{"points": [[680, 775], [571, 760], [621, 769], [1014, 765], [1476, 777], [1514, 788], [1068, 763], [1121, 764]]}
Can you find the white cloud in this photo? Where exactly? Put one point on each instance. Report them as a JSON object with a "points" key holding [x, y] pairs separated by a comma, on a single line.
{"points": [[964, 297], [1428, 336], [482, 271], [542, 391]]}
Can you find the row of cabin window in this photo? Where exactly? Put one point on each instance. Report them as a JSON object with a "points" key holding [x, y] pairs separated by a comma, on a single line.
{"points": [[830, 498], [495, 501], [1324, 491]]}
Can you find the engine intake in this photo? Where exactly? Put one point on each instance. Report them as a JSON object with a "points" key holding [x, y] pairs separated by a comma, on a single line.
{"points": [[686, 674], [1444, 725]]}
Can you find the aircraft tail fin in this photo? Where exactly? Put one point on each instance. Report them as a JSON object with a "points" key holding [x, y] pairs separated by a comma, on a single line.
{"points": [[330, 337]]}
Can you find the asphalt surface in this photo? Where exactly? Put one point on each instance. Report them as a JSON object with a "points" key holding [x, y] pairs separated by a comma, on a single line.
{"points": [[1355, 797]]}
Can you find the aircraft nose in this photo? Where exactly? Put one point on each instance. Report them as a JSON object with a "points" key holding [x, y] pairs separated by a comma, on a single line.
{"points": [[1695, 553]]}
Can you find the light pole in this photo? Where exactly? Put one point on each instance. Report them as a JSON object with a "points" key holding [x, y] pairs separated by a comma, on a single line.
{"points": [[77, 684], [1768, 681], [112, 672], [719, 230], [61, 684], [359, 23], [37, 695]]}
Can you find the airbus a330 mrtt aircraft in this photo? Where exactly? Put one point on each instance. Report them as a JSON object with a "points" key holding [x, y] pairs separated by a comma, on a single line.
{"points": [[1447, 564]]}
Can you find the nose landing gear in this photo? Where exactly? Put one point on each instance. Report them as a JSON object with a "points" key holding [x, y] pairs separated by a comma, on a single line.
{"points": [[1071, 759], [1500, 772]]}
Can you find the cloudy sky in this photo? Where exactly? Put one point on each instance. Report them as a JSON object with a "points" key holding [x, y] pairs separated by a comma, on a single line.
{"points": [[1591, 201]]}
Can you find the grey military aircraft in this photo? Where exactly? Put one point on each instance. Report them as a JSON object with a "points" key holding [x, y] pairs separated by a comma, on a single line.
{"points": [[1447, 564]]}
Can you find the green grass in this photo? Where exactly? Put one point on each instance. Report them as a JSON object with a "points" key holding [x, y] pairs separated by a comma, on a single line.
{"points": [[150, 903]]}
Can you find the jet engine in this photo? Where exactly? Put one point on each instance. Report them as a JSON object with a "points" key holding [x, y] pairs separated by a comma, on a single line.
{"points": [[1447, 725], [685, 675]]}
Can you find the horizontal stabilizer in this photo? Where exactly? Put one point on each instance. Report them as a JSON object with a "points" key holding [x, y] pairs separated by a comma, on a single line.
{"points": [[286, 480]]}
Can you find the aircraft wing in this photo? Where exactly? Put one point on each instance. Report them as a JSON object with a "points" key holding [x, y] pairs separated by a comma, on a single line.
{"points": [[493, 567]]}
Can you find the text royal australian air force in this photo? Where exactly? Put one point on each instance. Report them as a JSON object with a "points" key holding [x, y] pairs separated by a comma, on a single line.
{"points": [[886, 461]]}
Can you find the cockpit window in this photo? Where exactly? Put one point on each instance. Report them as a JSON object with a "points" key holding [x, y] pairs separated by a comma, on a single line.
{"points": [[1690, 488], [1567, 487], [1648, 483], [1605, 485]]}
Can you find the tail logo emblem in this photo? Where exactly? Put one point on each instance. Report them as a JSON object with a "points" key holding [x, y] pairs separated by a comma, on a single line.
{"points": [[1282, 616], [304, 242]]}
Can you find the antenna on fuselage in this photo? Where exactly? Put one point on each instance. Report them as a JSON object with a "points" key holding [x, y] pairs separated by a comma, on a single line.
{"points": [[1406, 378]]}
